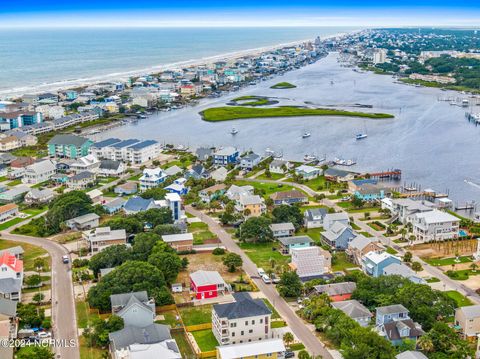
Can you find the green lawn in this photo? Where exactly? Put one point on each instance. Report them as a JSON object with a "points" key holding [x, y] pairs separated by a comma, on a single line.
{"points": [[447, 261], [340, 262], [170, 318], [200, 236], [196, 315], [205, 339], [135, 177], [391, 250], [183, 344], [461, 300], [273, 176], [261, 253], [251, 101], [297, 346], [366, 234], [227, 113], [275, 314], [31, 212], [84, 317], [278, 324], [314, 233], [463, 274], [15, 182], [91, 352], [283, 86], [31, 252]]}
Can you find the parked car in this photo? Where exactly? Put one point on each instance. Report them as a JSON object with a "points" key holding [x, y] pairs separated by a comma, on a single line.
{"points": [[43, 335], [289, 354], [65, 259], [266, 279], [260, 272], [274, 278]]}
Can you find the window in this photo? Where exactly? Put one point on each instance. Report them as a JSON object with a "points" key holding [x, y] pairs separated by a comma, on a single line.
{"points": [[233, 334], [250, 331], [246, 322], [242, 332], [253, 322], [261, 321], [233, 325]]}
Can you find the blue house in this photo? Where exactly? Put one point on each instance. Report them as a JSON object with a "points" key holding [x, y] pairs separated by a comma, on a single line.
{"points": [[368, 189], [288, 243], [339, 236], [71, 95], [138, 204], [178, 187], [374, 263], [225, 156], [114, 206], [393, 322]]}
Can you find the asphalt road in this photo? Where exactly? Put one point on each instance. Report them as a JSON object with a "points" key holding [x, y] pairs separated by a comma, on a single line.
{"points": [[298, 327], [63, 303], [431, 270]]}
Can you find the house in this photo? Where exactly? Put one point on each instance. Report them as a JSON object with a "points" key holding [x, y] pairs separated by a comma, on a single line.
{"points": [[234, 192], [85, 163], [39, 172], [126, 188], [289, 197], [288, 243], [87, 221], [374, 263], [225, 156], [468, 320], [337, 291], [173, 170], [102, 237], [411, 354], [250, 205], [435, 226], [8, 323], [360, 246], [95, 195], [82, 180], [310, 262], [138, 204], [135, 308], [178, 187], [69, 146], [269, 348], [132, 342], [203, 153], [151, 178], [248, 162], [338, 236], [404, 271], [207, 284], [8, 211], [331, 218], [355, 310], [17, 251], [22, 162], [110, 168], [308, 172], [197, 172], [242, 321], [403, 209], [14, 195], [37, 196], [394, 323], [131, 150], [372, 192], [114, 205], [179, 242], [220, 174], [338, 175], [313, 218], [11, 276], [283, 229], [279, 166], [212, 193]]}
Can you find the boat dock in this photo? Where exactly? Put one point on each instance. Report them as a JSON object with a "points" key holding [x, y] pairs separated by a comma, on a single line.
{"points": [[394, 174]]}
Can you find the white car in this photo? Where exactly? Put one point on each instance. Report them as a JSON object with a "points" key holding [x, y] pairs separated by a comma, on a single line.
{"points": [[260, 272], [43, 335], [266, 279]]}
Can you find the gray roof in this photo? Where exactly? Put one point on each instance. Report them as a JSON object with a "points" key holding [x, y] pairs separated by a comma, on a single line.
{"points": [[85, 218], [353, 308], [106, 143], [137, 204], [251, 157], [13, 250], [77, 141], [134, 301], [8, 307], [391, 309], [143, 144], [335, 172], [360, 242], [336, 288], [105, 271], [287, 226], [82, 175], [243, 307], [117, 202], [470, 311], [310, 214], [10, 285], [123, 298], [203, 277], [286, 241], [110, 164], [398, 269], [40, 193], [410, 354], [150, 334]]}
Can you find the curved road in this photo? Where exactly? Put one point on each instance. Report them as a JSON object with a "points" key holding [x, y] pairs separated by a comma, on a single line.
{"points": [[433, 271], [63, 302], [299, 328]]}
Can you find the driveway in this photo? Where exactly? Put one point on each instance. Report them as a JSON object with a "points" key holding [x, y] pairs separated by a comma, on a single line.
{"points": [[298, 327]]}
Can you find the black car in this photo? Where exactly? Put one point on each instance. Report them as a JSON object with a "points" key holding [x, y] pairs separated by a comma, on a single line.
{"points": [[289, 354]]}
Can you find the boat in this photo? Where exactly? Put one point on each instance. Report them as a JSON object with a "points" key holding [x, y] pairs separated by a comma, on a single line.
{"points": [[306, 134], [309, 158], [234, 131], [360, 136], [343, 162]]}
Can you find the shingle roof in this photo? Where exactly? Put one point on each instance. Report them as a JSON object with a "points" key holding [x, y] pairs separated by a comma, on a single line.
{"points": [[470, 311], [391, 329], [243, 307], [293, 194], [10, 285], [392, 309], [153, 333], [77, 141], [287, 226], [123, 298], [85, 218], [336, 288], [353, 308], [137, 204], [310, 214], [110, 165], [286, 241]]}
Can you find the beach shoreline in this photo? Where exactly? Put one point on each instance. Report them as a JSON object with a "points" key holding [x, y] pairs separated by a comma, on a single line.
{"points": [[62, 85]]}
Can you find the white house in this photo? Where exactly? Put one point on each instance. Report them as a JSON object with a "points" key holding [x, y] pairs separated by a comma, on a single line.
{"points": [[8, 211], [331, 218], [100, 238], [11, 276], [151, 178], [39, 172], [308, 172], [279, 166], [220, 174], [310, 262], [283, 229], [85, 163], [435, 226]]}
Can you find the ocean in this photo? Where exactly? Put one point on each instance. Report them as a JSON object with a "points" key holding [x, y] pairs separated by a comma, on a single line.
{"points": [[42, 59]]}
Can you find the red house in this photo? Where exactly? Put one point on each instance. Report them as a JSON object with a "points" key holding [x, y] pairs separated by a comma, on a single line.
{"points": [[207, 284], [337, 292]]}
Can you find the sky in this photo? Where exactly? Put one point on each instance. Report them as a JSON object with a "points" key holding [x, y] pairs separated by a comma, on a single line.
{"points": [[154, 13]]}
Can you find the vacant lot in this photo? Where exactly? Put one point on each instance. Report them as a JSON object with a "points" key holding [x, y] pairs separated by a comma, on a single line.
{"points": [[205, 339], [196, 315], [262, 254]]}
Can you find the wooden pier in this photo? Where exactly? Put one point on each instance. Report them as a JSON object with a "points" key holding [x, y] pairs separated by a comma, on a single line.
{"points": [[395, 174]]}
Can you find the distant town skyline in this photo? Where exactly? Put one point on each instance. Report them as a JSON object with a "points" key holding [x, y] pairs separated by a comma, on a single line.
{"points": [[193, 13]]}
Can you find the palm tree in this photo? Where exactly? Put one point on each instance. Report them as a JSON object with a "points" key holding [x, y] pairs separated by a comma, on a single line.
{"points": [[425, 343], [272, 262], [288, 338], [474, 267]]}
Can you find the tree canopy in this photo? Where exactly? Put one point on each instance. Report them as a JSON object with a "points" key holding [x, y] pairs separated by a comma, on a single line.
{"points": [[286, 213], [256, 229], [110, 257]]}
